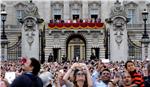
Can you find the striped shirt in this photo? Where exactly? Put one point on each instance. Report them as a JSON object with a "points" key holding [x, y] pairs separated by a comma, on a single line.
{"points": [[137, 78]]}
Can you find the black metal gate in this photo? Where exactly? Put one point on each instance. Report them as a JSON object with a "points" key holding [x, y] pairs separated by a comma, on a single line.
{"points": [[14, 52], [135, 51]]}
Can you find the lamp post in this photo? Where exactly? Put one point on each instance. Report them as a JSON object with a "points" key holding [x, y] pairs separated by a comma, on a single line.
{"points": [[4, 40], [145, 38]]}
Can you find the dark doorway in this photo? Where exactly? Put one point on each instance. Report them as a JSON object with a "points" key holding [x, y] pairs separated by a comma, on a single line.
{"points": [[55, 54], [75, 17], [94, 16], [57, 17], [77, 51], [96, 52], [76, 47]]}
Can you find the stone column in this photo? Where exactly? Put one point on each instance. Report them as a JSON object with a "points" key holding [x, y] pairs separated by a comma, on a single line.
{"points": [[84, 9], [30, 39], [30, 31], [118, 41], [145, 48], [118, 33], [66, 10], [4, 50]]}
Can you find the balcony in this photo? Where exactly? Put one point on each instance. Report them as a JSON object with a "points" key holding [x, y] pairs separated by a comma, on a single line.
{"points": [[84, 24]]}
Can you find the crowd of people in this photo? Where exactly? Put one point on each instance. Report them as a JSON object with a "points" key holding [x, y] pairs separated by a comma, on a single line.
{"points": [[77, 20], [91, 73]]}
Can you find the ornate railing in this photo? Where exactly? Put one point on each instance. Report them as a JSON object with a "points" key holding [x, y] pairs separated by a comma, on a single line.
{"points": [[14, 51], [85, 25], [135, 51]]}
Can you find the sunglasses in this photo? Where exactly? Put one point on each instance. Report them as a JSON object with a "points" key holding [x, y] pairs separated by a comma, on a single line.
{"points": [[106, 73], [80, 74]]}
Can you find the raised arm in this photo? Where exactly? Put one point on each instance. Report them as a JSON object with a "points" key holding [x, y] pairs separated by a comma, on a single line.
{"points": [[65, 78], [89, 78]]}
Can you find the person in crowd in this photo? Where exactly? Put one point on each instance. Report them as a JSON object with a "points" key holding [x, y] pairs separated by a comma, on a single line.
{"points": [[92, 57], [147, 80], [127, 80], [58, 79], [104, 80], [4, 83], [30, 77], [97, 72], [137, 78], [50, 58], [47, 78], [82, 77]]}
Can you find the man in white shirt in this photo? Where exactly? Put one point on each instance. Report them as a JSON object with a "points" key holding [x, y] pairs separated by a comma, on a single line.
{"points": [[104, 79]]}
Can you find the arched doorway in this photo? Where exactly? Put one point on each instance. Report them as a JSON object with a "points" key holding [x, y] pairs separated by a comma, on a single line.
{"points": [[76, 47]]}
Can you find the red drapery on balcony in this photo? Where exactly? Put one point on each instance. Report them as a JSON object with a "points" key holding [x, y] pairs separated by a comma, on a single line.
{"points": [[76, 25]]}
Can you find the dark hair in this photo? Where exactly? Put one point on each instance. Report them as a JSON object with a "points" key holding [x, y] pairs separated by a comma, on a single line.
{"points": [[36, 66], [75, 82], [129, 61], [105, 70]]}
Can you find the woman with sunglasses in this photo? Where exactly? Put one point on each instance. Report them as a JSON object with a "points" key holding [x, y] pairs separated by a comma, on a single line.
{"points": [[82, 77]]}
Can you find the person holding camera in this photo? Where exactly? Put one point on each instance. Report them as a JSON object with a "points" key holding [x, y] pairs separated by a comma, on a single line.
{"points": [[81, 74]]}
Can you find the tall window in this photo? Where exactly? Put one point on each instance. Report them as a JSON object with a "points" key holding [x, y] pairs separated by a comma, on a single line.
{"points": [[131, 16], [19, 14], [94, 10], [75, 10], [57, 14], [57, 10]]}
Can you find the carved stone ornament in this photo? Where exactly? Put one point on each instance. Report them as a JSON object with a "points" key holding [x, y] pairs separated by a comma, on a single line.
{"points": [[118, 10], [29, 27], [118, 40], [118, 25], [31, 10], [29, 24]]}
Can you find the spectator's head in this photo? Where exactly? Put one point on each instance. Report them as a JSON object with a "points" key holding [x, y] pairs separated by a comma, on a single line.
{"points": [[80, 76], [105, 75], [32, 65], [130, 66], [126, 79], [4, 83]]}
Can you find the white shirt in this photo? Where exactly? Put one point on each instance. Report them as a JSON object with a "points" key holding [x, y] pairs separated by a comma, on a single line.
{"points": [[100, 84]]}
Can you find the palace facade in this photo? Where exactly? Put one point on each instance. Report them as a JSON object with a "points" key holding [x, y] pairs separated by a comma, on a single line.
{"points": [[77, 29]]}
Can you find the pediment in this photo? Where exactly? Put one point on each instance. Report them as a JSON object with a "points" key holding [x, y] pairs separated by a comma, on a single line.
{"points": [[94, 2], [131, 4], [75, 3], [20, 4], [54, 3]]}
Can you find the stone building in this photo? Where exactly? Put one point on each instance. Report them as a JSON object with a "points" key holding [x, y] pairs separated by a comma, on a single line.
{"points": [[81, 40]]}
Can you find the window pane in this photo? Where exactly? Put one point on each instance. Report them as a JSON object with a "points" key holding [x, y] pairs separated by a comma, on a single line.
{"points": [[94, 11], [57, 12], [75, 11], [131, 15], [19, 14]]}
